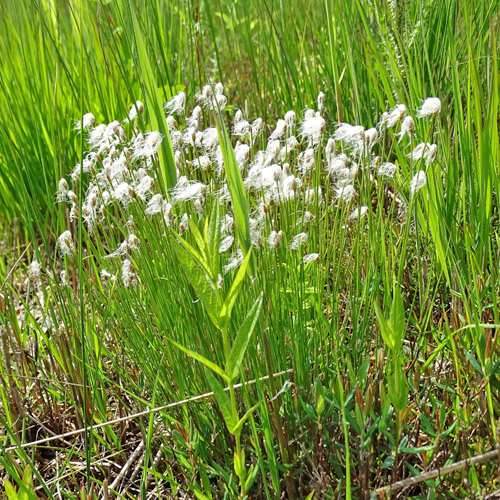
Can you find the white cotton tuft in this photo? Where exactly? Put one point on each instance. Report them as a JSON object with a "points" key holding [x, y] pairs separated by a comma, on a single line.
{"points": [[144, 187], [148, 147], [290, 118], [407, 128], [176, 104], [418, 182], [387, 169], [87, 121], [420, 151], [279, 131], [357, 213], [298, 240], [431, 154], [155, 205], [430, 107], [188, 190], [312, 257], [274, 240], [345, 193], [235, 262], [129, 274], [136, 110], [226, 244], [396, 115], [352, 135], [65, 244], [241, 128], [312, 128]]}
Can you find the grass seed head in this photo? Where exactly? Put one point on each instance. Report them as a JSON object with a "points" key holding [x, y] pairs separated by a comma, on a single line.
{"points": [[418, 182], [430, 107]]}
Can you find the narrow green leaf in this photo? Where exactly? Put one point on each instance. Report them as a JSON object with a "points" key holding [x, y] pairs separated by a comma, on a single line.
{"points": [[155, 106], [242, 339], [239, 196], [223, 400], [209, 364], [397, 318], [385, 328], [225, 313], [212, 237], [420, 449], [243, 419]]}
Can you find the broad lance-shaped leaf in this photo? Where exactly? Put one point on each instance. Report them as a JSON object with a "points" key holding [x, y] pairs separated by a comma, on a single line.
{"points": [[209, 364], [222, 400], [202, 247], [155, 108], [242, 339], [200, 282], [10, 491], [225, 313], [385, 328]]}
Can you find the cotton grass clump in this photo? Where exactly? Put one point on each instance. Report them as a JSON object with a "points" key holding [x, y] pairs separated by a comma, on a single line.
{"points": [[306, 170]]}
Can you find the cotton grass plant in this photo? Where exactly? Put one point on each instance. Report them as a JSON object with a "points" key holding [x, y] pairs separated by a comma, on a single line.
{"points": [[329, 223]]}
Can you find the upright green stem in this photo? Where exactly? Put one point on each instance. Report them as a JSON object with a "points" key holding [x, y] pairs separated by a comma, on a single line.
{"points": [[237, 434]]}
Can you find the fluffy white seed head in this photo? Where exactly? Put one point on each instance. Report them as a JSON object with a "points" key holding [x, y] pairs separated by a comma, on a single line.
{"points": [[387, 169], [345, 193], [241, 128], [65, 244], [87, 121], [188, 190], [129, 274], [312, 257], [176, 104], [279, 131], [306, 161], [420, 151], [418, 182], [124, 193], [298, 240], [136, 110], [148, 147], [431, 154], [370, 137], [145, 187], [407, 128], [274, 240], [312, 129], [34, 271], [357, 213], [396, 115], [62, 192], [235, 262], [430, 107], [321, 101], [226, 243], [155, 205], [352, 135], [290, 118], [337, 163]]}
